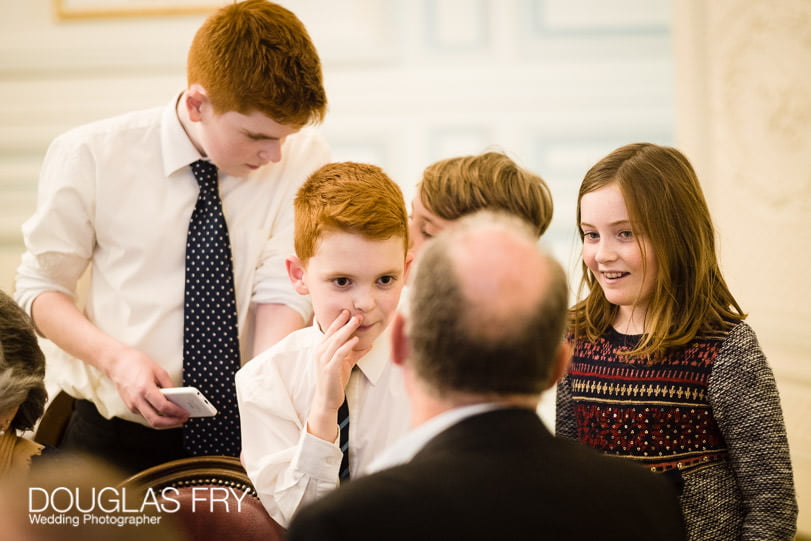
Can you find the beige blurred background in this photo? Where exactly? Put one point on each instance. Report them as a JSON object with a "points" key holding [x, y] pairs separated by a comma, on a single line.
{"points": [[555, 83]]}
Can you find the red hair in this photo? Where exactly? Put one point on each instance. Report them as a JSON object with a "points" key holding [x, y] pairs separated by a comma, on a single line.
{"points": [[349, 197], [257, 56]]}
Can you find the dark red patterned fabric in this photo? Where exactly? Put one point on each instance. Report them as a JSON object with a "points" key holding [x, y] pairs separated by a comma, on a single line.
{"points": [[657, 414], [736, 479]]}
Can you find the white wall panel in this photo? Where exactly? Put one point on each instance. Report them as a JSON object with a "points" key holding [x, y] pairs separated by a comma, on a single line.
{"points": [[409, 82], [458, 25], [596, 15]]}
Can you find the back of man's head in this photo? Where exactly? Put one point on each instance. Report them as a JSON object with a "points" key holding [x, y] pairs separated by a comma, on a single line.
{"points": [[488, 309]]}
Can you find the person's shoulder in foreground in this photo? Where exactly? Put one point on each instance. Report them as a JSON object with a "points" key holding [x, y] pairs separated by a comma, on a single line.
{"points": [[579, 494]]}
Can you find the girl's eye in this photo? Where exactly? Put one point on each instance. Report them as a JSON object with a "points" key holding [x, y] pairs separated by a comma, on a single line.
{"points": [[627, 234], [590, 235], [386, 280], [425, 234], [341, 282]]}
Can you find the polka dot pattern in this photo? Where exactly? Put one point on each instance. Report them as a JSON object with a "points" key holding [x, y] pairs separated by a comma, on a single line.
{"points": [[210, 334]]}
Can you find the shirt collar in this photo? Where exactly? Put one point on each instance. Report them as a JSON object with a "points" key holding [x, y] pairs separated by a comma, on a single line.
{"points": [[178, 150], [413, 441], [373, 363]]}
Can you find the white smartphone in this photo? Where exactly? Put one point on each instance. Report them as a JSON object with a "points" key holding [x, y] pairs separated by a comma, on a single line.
{"points": [[191, 400]]}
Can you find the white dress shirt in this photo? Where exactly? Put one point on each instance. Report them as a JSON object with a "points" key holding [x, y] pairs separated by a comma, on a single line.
{"points": [[290, 467], [412, 442], [117, 195]]}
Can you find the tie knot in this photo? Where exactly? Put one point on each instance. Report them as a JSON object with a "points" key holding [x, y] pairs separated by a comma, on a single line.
{"points": [[205, 172]]}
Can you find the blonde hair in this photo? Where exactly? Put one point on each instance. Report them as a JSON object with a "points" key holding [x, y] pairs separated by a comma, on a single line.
{"points": [[458, 186], [257, 56], [666, 204], [349, 197]]}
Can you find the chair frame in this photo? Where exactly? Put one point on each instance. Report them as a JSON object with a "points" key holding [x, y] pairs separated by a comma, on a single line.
{"points": [[204, 471], [223, 471]]}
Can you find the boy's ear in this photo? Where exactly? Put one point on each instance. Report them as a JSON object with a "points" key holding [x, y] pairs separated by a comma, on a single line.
{"points": [[562, 359], [400, 346], [295, 271], [408, 261], [196, 98]]}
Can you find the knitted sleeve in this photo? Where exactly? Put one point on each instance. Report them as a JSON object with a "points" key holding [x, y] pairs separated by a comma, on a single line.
{"points": [[745, 403], [565, 422]]}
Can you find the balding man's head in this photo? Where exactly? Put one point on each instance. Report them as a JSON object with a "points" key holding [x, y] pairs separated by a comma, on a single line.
{"points": [[487, 309]]}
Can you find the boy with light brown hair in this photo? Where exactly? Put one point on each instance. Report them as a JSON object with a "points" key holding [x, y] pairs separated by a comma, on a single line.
{"points": [[458, 186], [351, 239]]}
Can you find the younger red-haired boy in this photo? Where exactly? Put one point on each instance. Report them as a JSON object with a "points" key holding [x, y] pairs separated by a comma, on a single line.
{"points": [[351, 239]]}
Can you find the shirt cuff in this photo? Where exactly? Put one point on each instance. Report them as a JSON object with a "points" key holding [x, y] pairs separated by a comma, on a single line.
{"points": [[318, 458]]}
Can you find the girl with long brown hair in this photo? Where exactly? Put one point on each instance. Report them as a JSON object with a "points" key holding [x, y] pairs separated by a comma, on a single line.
{"points": [[665, 371]]}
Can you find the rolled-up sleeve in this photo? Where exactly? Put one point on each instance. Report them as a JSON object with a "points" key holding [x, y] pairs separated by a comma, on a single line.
{"points": [[60, 236], [271, 283]]}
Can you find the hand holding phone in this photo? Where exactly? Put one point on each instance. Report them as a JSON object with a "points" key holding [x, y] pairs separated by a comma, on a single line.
{"points": [[191, 400]]}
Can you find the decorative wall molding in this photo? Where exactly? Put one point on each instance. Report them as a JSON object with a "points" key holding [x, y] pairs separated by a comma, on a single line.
{"points": [[744, 107], [764, 101], [587, 18], [103, 9]]}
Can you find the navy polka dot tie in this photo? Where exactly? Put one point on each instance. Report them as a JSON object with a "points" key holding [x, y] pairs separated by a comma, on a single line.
{"points": [[210, 335], [343, 426]]}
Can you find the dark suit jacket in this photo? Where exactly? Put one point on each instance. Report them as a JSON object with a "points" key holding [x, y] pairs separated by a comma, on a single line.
{"points": [[498, 476]]}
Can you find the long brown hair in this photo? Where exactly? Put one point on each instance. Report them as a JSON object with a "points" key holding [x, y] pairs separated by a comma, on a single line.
{"points": [[665, 202]]}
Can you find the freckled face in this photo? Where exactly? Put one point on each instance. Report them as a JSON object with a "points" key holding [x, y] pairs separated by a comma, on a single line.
{"points": [[239, 144], [611, 251], [363, 276]]}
